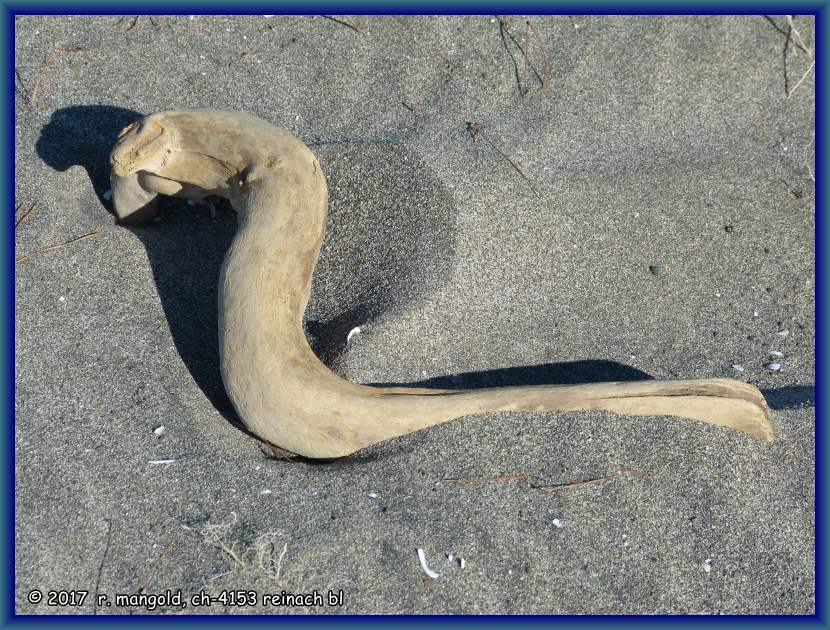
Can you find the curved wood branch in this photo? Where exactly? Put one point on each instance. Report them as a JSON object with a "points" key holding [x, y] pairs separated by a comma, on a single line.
{"points": [[280, 389]]}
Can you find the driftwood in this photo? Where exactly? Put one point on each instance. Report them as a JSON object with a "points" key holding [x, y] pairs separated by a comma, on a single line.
{"points": [[280, 389]]}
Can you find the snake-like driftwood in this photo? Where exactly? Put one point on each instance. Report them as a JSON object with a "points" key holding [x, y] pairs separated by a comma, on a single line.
{"points": [[282, 392]]}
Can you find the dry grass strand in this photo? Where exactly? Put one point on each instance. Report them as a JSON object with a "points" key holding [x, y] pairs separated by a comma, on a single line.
{"points": [[798, 39], [19, 223], [51, 248], [801, 80]]}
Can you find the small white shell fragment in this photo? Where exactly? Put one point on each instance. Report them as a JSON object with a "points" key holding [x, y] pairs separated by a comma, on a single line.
{"points": [[107, 195], [707, 565], [423, 559], [158, 462], [557, 522], [737, 367], [450, 557], [354, 331], [257, 467], [372, 495], [783, 333], [159, 430], [461, 562], [773, 366], [755, 313], [776, 353], [62, 298], [265, 491]]}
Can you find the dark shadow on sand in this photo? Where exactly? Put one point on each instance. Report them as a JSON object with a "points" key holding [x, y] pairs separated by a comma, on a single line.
{"points": [[84, 135], [790, 397], [185, 246], [570, 373]]}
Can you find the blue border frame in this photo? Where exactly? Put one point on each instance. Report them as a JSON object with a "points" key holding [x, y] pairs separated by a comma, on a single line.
{"points": [[7, 314], [8, 11], [822, 592], [403, 7]]}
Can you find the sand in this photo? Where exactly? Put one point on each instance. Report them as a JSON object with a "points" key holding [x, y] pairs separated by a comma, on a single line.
{"points": [[650, 213]]}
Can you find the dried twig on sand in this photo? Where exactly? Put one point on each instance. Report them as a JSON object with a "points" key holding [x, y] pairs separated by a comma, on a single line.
{"points": [[801, 80], [52, 248], [546, 69], [26, 215], [49, 66], [349, 21], [265, 561], [275, 452], [475, 130], [140, 582], [133, 26], [48, 71], [524, 83], [354, 24], [576, 483], [20, 87], [160, 22], [257, 559], [798, 40], [215, 535], [487, 479], [798, 194]]}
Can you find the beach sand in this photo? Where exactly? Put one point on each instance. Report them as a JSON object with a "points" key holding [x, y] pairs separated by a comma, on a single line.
{"points": [[649, 213]]}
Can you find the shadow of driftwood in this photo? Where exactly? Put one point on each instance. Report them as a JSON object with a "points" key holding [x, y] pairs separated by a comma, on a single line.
{"points": [[790, 397], [185, 247], [570, 373], [84, 135]]}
